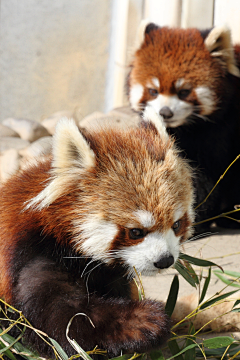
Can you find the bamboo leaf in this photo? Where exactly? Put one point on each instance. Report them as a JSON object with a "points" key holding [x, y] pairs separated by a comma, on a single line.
{"points": [[59, 349], [191, 271], [218, 342], [236, 303], [190, 353], [217, 353], [197, 261], [178, 356], [124, 357], [21, 350], [205, 286], [172, 296], [6, 352], [234, 274], [218, 298], [156, 355], [175, 350], [235, 310], [225, 280], [183, 271]]}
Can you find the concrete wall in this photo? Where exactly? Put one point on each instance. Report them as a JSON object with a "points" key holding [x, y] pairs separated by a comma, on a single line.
{"points": [[54, 56], [74, 54]]}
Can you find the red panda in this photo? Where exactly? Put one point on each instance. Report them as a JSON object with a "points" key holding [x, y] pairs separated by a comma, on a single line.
{"points": [[190, 77], [74, 226]]}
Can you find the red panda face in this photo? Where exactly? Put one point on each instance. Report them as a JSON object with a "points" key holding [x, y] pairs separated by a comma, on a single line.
{"points": [[179, 74], [131, 195]]}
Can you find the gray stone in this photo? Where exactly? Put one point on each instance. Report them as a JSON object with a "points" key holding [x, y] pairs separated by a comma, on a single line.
{"points": [[7, 143], [7, 131], [27, 129], [112, 119], [51, 122], [9, 164], [38, 148]]}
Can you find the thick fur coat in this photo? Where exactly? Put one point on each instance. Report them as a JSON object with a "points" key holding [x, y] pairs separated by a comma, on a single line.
{"points": [[73, 228], [191, 78]]}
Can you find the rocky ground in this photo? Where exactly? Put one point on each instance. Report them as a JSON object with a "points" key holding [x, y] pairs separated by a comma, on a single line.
{"points": [[21, 140]]}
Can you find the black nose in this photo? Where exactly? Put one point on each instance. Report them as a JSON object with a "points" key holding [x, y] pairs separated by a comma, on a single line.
{"points": [[164, 262], [166, 112]]}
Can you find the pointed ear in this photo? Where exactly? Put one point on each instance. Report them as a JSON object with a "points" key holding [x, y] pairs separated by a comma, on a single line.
{"points": [[144, 28], [150, 116], [219, 44], [72, 156], [70, 148]]}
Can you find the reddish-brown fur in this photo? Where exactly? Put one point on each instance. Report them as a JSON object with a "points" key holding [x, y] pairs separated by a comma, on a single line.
{"points": [[171, 54], [205, 121], [41, 263]]}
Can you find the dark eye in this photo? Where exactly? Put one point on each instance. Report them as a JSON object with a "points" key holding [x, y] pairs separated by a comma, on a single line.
{"points": [[153, 92], [176, 226], [136, 233], [183, 93]]}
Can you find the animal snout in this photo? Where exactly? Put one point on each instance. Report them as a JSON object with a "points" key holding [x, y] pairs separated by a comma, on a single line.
{"points": [[164, 262], [166, 112]]}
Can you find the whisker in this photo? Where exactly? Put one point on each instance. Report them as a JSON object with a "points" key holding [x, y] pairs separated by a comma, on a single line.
{"points": [[91, 270], [199, 236], [90, 262]]}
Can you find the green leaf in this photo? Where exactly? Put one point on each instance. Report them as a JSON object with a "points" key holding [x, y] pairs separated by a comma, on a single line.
{"points": [[205, 286], [22, 350], [197, 261], [185, 274], [218, 353], [191, 353], [236, 303], [191, 271], [213, 301], [175, 350], [156, 355], [225, 280], [178, 356], [218, 342], [235, 310], [59, 349], [6, 352], [172, 296], [234, 274], [123, 357]]}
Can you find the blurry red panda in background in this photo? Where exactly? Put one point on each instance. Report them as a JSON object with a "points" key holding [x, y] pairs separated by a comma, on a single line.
{"points": [[191, 78], [73, 228]]}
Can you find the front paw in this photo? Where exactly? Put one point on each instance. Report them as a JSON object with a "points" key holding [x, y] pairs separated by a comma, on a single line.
{"points": [[144, 327], [154, 324]]}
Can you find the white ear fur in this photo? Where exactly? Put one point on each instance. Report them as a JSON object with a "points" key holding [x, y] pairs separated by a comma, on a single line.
{"points": [[72, 155], [141, 33], [219, 44], [70, 148], [151, 116]]}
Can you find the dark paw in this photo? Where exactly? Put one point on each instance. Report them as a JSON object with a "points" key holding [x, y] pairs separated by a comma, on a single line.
{"points": [[146, 328]]}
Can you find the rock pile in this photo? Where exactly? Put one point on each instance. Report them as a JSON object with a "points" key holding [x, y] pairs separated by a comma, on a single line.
{"points": [[22, 140]]}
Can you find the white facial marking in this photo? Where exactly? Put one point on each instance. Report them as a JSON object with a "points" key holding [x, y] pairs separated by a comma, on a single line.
{"points": [[98, 235], [145, 217], [178, 214], [151, 115], [206, 98], [155, 245], [156, 82], [181, 109], [135, 96], [179, 83]]}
